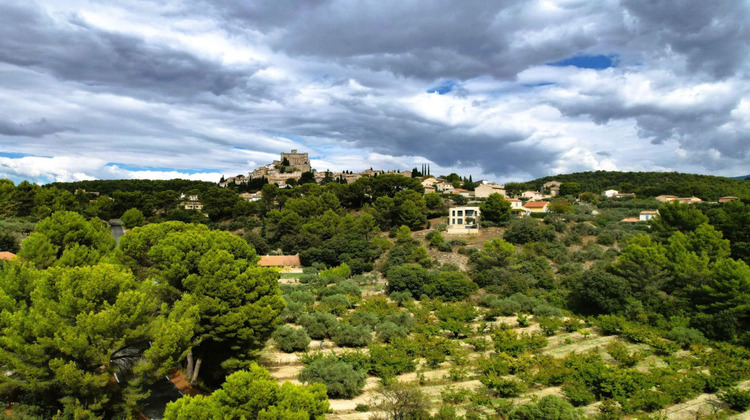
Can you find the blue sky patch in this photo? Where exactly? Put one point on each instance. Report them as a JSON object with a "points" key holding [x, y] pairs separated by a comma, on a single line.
{"points": [[596, 62], [17, 155], [444, 87]]}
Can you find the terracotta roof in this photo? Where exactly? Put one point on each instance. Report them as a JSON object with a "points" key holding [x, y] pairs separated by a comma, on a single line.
{"points": [[7, 256], [535, 204], [650, 212], [279, 261], [630, 220]]}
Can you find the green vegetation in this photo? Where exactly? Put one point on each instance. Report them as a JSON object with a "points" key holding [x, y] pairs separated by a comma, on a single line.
{"points": [[633, 318]]}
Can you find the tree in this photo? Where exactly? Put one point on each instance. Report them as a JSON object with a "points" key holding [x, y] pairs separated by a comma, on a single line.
{"points": [[495, 209], [67, 238], [570, 188], [402, 401], [549, 407], [68, 332], [253, 394], [677, 217], [238, 302], [8, 242], [133, 218], [561, 205], [340, 378]]}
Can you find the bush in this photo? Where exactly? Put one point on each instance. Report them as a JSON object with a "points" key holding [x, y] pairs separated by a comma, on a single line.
{"points": [[290, 339], [605, 238], [577, 393], [340, 378], [387, 331], [401, 298], [549, 407], [347, 335], [319, 325], [367, 318], [503, 387], [550, 326], [738, 399], [445, 247], [686, 336], [510, 342], [335, 304]]}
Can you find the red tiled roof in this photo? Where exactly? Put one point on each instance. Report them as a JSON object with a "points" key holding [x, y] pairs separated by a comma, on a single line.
{"points": [[279, 261], [7, 256], [535, 204], [630, 220]]}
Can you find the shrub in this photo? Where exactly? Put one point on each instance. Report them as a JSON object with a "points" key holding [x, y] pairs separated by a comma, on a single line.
{"points": [[503, 387], [340, 378], [605, 238], [291, 339], [445, 247], [686, 336], [549, 326], [367, 318], [449, 395], [622, 356], [391, 360], [335, 304], [387, 331], [347, 335], [318, 324], [401, 298], [738, 399], [510, 342], [577, 393], [293, 311]]}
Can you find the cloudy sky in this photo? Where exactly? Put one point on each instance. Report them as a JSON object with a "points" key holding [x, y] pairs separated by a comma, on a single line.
{"points": [[500, 89]]}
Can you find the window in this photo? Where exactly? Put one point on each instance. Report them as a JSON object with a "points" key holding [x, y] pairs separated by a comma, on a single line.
{"points": [[460, 212], [469, 212], [460, 221]]}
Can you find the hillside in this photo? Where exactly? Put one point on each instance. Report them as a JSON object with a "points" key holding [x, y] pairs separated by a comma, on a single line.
{"points": [[651, 184]]}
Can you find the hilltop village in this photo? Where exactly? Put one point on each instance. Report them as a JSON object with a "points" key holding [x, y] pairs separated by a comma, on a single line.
{"points": [[290, 293]]}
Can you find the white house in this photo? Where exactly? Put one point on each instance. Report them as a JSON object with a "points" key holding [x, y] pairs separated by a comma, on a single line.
{"points": [[647, 215], [532, 195], [463, 220], [610, 193], [484, 190]]}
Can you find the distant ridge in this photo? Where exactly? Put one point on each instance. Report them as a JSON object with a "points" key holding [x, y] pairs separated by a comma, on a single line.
{"points": [[652, 184], [742, 177]]}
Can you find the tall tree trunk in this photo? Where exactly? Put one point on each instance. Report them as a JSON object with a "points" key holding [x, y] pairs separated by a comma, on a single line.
{"points": [[190, 365], [197, 369]]}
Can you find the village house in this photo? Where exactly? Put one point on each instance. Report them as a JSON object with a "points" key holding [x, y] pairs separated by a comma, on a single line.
{"points": [[532, 195], [6, 256], [631, 220], [553, 187], [191, 197], [536, 207], [193, 205], [285, 263], [429, 183], [728, 198], [463, 220], [484, 190], [610, 193], [515, 204], [624, 195], [252, 196], [647, 215], [462, 192], [689, 200], [444, 187], [666, 198]]}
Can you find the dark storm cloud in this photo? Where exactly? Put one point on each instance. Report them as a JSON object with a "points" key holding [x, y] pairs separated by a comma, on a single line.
{"points": [[355, 76], [75, 51], [426, 40], [38, 128], [712, 35]]}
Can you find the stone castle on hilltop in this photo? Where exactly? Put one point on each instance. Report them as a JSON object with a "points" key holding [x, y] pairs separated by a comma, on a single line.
{"points": [[292, 165]]}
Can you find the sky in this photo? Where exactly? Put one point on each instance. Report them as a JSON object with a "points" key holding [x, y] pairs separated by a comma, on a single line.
{"points": [[502, 90]]}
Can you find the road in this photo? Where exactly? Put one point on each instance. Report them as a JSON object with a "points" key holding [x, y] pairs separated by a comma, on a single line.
{"points": [[117, 230]]}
